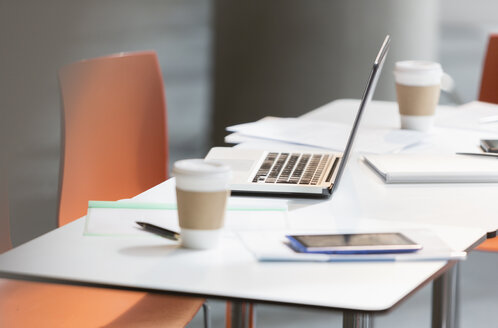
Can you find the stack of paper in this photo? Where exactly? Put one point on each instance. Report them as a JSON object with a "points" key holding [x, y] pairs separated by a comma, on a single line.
{"points": [[327, 135]]}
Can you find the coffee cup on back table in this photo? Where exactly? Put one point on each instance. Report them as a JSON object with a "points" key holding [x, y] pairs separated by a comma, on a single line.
{"points": [[418, 85], [202, 190]]}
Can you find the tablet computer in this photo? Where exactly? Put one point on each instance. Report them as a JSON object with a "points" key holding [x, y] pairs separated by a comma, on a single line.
{"points": [[489, 145], [353, 243]]}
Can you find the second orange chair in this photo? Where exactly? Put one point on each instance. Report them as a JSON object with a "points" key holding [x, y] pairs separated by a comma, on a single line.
{"points": [[115, 146], [489, 93]]}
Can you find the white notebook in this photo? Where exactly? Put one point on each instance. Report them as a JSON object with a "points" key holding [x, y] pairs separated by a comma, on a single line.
{"points": [[431, 168]]}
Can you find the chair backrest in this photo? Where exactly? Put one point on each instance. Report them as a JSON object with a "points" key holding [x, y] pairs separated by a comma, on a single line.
{"points": [[489, 80], [114, 130], [489, 93]]}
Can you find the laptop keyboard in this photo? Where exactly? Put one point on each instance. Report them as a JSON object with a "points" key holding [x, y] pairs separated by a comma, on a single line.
{"points": [[294, 168]]}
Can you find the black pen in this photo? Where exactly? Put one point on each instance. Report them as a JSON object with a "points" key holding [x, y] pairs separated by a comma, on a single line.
{"points": [[173, 235], [494, 155]]}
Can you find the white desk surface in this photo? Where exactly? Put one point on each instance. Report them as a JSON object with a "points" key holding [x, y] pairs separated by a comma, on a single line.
{"points": [[151, 263], [363, 192]]}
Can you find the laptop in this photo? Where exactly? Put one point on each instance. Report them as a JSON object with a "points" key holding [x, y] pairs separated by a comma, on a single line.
{"points": [[301, 174]]}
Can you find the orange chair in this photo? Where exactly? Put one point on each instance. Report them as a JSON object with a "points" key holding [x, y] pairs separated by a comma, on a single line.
{"points": [[489, 93], [115, 141], [489, 79], [115, 146]]}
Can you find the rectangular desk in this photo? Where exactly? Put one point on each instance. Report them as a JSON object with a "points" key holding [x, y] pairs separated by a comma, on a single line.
{"points": [[231, 272]]}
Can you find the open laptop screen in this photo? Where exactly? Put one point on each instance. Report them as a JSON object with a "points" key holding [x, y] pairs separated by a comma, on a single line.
{"points": [[367, 96]]}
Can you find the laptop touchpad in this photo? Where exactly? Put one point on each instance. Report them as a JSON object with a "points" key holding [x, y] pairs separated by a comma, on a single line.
{"points": [[237, 165]]}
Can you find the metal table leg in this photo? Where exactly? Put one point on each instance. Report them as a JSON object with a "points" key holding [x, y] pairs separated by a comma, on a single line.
{"points": [[351, 319], [207, 315], [242, 315], [445, 299]]}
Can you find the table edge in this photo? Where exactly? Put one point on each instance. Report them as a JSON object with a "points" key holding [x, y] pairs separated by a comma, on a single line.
{"points": [[69, 282]]}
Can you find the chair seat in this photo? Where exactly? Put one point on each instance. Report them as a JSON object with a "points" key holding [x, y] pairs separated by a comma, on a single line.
{"points": [[489, 245], [31, 304]]}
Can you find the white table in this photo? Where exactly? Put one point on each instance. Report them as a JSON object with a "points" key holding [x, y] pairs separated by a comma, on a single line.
{"points": [[231, 272], [365, 194]]}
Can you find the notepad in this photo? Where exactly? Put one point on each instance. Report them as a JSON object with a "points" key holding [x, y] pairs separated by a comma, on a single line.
{"points": [[432, 168]]}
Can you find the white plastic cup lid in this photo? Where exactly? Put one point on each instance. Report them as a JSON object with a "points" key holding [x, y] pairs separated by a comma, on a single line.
{"points": [[198, 167], [200, 175], [418, 72]]}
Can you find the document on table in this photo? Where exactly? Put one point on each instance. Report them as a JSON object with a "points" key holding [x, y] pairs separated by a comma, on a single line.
{"points": [[433, 168], [328, 135], [118, 218], [475, 115], [272, 246]]}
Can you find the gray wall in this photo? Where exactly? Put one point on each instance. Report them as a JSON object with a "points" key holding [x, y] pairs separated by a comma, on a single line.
{"points": [[286, 57]]}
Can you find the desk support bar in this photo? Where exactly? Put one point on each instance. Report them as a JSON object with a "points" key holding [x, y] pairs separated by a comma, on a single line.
{"points": [[352, 319], [445, 299], [207, 315], [242, 315]]}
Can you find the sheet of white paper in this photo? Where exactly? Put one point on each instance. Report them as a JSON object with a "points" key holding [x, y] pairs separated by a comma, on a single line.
{"points": [[475, 115], [241, 214], [328, 135], [273, 246], [236, 138]]}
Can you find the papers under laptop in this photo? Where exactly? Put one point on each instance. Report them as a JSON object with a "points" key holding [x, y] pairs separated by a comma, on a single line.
{"points": [[327, 135], [309, 174]]}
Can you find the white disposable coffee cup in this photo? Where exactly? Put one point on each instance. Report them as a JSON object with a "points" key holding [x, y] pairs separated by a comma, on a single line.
{"points": [[418, 85], [202, 189]]}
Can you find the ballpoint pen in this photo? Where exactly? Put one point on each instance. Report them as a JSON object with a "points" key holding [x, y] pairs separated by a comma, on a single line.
{"points": [[173, 235], [480, 154]]}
